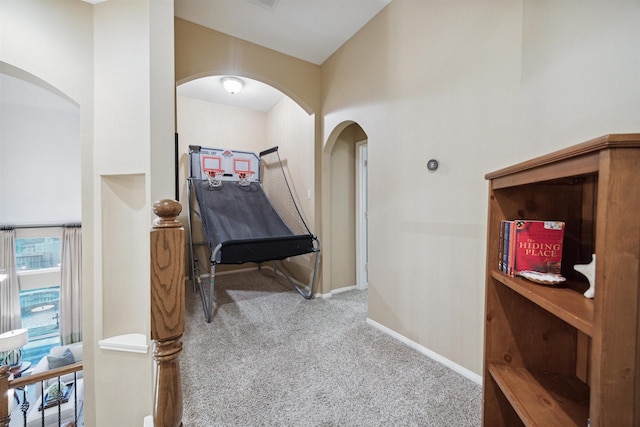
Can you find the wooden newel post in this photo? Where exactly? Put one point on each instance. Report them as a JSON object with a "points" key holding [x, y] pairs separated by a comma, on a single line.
{"points": [[4, 396], [167, 311]]}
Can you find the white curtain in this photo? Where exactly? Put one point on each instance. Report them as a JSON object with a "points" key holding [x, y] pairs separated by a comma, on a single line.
{"points": [[10, 317], [70, 285]]}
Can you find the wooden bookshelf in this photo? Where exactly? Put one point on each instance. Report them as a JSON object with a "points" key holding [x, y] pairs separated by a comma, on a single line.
{"points": [[552, 356]]}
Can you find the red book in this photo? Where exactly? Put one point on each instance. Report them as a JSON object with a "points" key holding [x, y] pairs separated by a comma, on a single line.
{"points": [[538, 246]]}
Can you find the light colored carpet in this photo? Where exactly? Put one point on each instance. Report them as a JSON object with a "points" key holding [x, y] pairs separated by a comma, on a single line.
{"points": [[271, 358]]}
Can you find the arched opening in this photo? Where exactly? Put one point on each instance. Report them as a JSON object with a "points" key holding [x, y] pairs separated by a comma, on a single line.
{"points": [[345, 157], [256, 118], [40, 191]]}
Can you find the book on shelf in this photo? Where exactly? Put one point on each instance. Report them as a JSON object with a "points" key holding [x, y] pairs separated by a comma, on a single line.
{"points": [[531, 245], [501, 254]]}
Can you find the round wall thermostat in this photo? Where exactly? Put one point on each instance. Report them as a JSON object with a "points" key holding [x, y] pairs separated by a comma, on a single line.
{"points": [[432, 164]]}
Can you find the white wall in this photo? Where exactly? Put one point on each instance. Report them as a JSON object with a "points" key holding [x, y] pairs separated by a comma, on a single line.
{"points": [[39, 155], [134, 89], [219, 126], [216, 125]]}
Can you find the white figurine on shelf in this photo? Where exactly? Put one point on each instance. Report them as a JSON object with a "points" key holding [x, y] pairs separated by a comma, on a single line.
{"points": [[589, 271]]}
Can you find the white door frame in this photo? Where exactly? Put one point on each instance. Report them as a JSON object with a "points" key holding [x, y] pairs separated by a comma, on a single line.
{"points": [[361, 215]]}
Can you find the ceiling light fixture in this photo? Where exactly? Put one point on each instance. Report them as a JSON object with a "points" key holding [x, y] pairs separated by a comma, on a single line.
{"points": [[232, 84]]}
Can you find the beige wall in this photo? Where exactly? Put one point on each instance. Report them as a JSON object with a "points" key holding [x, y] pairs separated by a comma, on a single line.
{"points": [[203, 52], [478, 86], [580, 72]]}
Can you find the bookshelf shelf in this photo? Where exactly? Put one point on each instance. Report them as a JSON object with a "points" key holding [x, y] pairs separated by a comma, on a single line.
{"points": [[552, 356], [542, 398], [563, 302]]}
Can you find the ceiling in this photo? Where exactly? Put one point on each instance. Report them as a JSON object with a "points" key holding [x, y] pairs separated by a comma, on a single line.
{"points": [[311, 30], [255, 95]]}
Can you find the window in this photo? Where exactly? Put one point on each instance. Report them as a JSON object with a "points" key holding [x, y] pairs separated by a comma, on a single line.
{"points": [[37, 253], [38, 264], [40, 315]]}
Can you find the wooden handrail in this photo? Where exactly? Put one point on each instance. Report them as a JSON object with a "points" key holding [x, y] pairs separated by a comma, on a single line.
{"points": [[6, 384], [167, 311], [46, 375]]}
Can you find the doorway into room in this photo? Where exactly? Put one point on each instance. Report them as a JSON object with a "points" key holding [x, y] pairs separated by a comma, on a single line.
{"points": [[346, 224], [362, 252]]}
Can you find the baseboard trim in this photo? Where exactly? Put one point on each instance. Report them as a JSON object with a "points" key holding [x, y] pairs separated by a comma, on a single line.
{"points": [[431, 354], [335, 291], [344, 289]]}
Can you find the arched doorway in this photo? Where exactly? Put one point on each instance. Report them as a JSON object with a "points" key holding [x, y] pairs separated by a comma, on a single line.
{"points": [[41, 167], [346, 198], [258, 117]]}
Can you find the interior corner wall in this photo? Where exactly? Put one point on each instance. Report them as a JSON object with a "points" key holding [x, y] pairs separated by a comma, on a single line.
{"points": [[291, 129], [430, 80]]}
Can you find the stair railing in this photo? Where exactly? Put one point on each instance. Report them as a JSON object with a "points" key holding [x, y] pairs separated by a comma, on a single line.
{"points": [[15, 390], [167, 323]]}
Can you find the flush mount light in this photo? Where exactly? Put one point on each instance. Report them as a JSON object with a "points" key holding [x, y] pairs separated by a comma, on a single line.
{"points": [[232, 84]]}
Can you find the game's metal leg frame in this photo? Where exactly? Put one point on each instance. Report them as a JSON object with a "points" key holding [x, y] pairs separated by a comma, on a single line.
{"points": [[311, 289], [198, 285], [195, 273], [207, 302]]}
